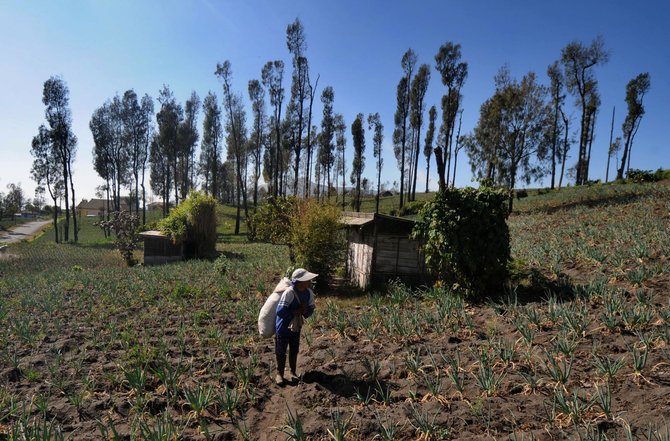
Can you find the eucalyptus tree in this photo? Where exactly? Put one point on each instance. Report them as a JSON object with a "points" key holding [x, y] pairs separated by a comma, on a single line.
{"points": [[341, 146], [457, 147], [428, 142], [272, 78], [257, 97], [614, 149], [326, 145], [187, 139], [296, 43], [578, 62], [56, 98], [358, 164], [236, 128], [164, 160], [46, 170], [417, 108], [103, 144], [137, 126], [375, 125], [309, 141], [453, 73], [510, 133], [408, 63], [556, 87], [146, 132], [210, 147], [635, 91], [160, 177]]}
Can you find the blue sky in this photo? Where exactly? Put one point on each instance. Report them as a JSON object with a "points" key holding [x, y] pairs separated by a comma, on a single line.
{"points": [[101, 48]]}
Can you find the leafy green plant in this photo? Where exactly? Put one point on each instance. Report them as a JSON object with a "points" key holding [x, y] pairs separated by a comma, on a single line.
{"points": [[607, 366], [466, 239], [340, 427], [293, 426], [124, 225], [193, 222], [310, 229]]}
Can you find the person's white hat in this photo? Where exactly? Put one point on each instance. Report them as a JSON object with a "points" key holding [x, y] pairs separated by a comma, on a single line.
{"points": [[302, 275]]}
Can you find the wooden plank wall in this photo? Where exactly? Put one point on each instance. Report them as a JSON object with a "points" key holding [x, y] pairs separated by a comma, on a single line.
{"points": [[359, 263], [399, 255]]}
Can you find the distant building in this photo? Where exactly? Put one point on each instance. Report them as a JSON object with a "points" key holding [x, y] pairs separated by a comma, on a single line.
{"points": [[98, 207]]}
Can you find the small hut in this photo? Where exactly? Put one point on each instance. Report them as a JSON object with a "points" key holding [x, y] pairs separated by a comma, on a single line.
{"points": [[380, 249], [159, 248]]}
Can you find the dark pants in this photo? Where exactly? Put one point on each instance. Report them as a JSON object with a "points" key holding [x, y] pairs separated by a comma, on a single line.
{"points": [[282, 342]]}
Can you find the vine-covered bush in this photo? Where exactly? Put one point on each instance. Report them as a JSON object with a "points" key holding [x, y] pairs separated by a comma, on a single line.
{"points": [[466, 238], [310, 229], [641, 176], [193, 222], [124, 226]]}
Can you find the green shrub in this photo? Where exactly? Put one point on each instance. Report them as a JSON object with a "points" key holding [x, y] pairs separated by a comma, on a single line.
{"points": [[193, 222], [310, 229], [466, 238], [410, 208], [272, 221], [642, 176], [124, 226], [522, 193]]}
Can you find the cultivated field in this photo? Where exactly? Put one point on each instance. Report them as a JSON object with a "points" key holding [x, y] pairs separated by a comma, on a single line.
{"points": [[577, 347]]}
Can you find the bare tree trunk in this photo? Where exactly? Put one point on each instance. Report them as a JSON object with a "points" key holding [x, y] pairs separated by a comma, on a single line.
{"points": [[439, 161], [566, 121], [609, 155], [456, 148]]}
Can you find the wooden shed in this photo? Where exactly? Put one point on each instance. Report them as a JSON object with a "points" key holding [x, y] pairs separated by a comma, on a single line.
{"points": [[159, 248], [380, 249]]}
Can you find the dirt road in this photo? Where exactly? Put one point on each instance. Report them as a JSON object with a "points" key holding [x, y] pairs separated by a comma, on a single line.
{"points": [[22, 232]]}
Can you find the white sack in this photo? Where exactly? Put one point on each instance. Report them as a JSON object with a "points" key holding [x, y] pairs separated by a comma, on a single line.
{"points": [[268, 314]]}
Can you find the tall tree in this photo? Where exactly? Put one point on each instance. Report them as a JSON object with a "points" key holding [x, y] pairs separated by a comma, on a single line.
{"points": [[296, 42], [46, 169], [567, 142], [187, 140], [272, 77], [615, 147], [457, 147], [578, 62], [592, 108], [169, 118], [341, 145], [147, 130], [428, 143], [635, 91], [453, 73], [512, 124], [326, 145], [136, 118], [408, 62], [375, 125], [358, 164], [557, 99], [257, 97], [210, 147], [56, 98], [610, 150], [159, 172], [310, 130], [417, 108], [236, 128]]}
